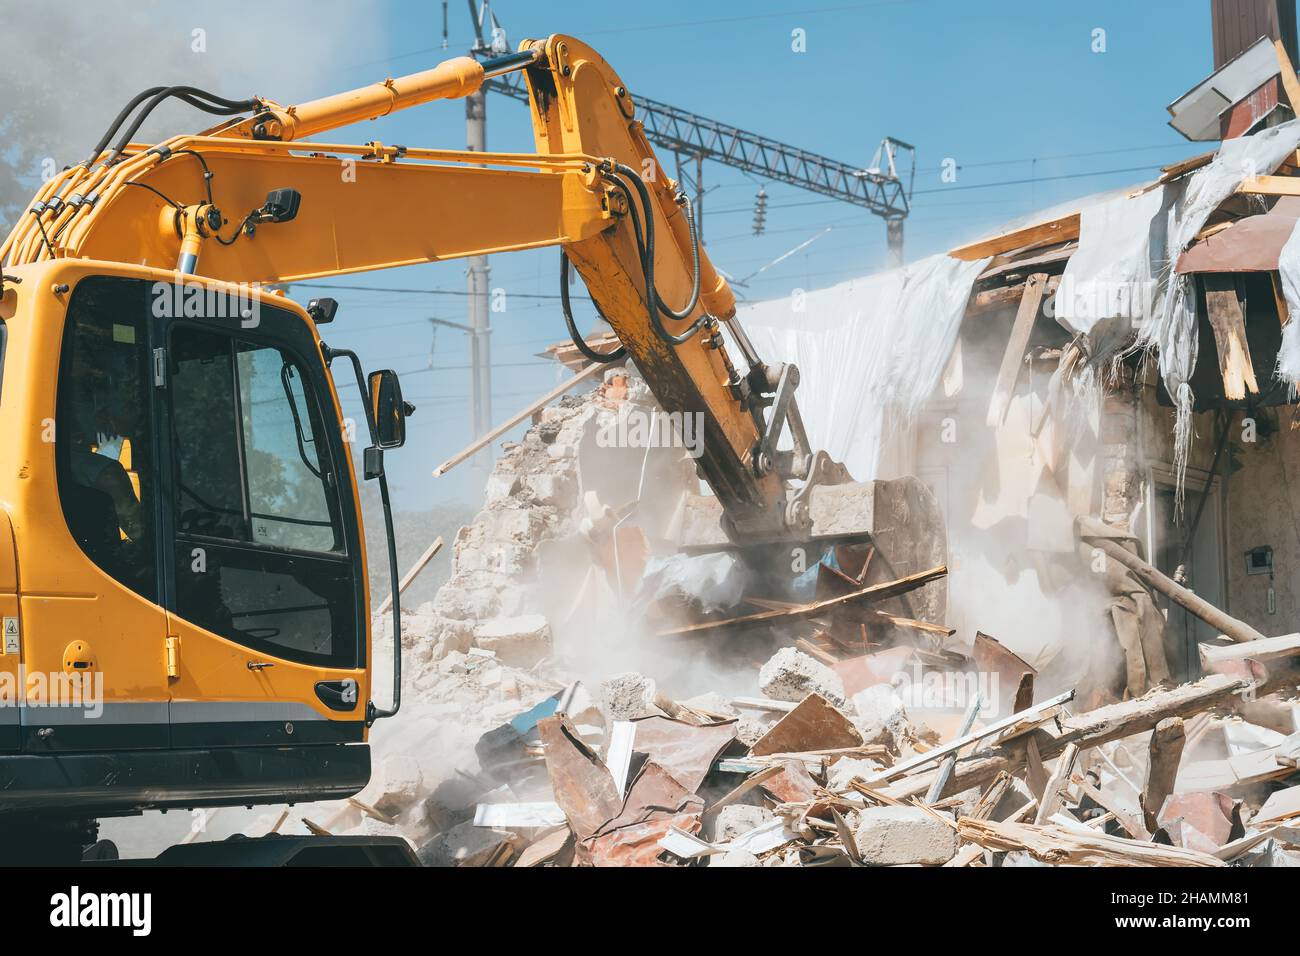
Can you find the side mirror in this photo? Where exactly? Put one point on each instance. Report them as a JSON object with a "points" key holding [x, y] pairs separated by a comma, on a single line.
{"points": [[388, 409]]}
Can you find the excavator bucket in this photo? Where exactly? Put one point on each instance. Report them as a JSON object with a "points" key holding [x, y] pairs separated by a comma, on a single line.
{"points": [[898, 518]]}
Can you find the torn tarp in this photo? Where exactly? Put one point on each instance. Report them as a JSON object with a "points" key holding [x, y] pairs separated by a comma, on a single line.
{"points": [[869, 350]]}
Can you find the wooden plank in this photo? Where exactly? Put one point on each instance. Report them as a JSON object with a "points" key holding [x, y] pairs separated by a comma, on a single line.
{"points": [[990, 798], [1130, 823], [875, 592], [1014, 356], [1270, 186], [1051, 800], [1263, 650], [410, 575], [1289, 82], [1164, 753], [1223, 307], [1039, 712], [1059, 845], [1003, 297], [1029, 237], [1207, 612], [1184, 166], [515, 419], [1282, 805], [811, 649], [915, 625], [1104, 725]]}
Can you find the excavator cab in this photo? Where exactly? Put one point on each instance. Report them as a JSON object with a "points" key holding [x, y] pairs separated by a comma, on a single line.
{"points": [[182, 579]]}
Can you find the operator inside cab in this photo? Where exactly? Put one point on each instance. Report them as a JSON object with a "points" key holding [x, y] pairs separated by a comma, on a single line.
{"points": [[104, 438]]}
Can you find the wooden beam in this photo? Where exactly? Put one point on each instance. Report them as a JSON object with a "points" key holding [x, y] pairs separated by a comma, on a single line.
{"points": [[1039, 713], [514, 420], [1289, 81], [1101, 726], [1060, 778], [1184, 166], [1223, 306], [915, 625], [1040, 234], [1127, 821], [1270, 186], [1263, 650], [1014, 356], [1224, 623], [1004, 297], [1059, 845], [876, 592], [410, 575], [1165, 751]]}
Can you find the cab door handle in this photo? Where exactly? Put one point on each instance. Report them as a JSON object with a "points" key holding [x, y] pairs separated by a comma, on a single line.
{"points": [[260, 665]]}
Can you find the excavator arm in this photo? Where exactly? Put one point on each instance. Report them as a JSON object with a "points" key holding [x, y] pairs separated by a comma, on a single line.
{"points": [[248, 201]]}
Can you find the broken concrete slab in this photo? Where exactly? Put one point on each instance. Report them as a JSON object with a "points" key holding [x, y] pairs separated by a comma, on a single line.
{"points": [[519, 641], [902, 836], [792, 675], [628, 696]]}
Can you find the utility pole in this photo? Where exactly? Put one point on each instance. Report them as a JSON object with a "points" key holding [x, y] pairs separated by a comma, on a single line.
{"points": [[477, 273], [478, 269]]}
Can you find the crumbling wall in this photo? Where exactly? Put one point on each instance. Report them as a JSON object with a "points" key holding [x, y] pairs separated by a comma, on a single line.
{"points": [[491, 596]]}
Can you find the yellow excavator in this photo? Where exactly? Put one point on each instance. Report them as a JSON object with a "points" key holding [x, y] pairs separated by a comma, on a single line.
{"points": [[183, 585]]}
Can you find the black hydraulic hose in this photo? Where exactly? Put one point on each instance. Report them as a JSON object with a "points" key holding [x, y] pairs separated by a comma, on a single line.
{"points": [[201, 99], [600, 358], [121, 118], [208, 102], [655, 304]]}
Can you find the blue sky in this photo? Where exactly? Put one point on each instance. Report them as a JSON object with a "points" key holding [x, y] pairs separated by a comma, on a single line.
{"points": [[1011, 90]]}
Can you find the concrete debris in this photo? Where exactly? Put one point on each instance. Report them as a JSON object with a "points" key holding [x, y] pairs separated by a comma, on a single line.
{"points": [[879, 715], [466, 845], [520, 641], [735, 821], [792, 675], [847, 769], [902, 836], [627, 697]]}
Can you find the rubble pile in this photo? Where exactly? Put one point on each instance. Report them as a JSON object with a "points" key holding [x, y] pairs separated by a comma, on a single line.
{"points": [[854, 728]]}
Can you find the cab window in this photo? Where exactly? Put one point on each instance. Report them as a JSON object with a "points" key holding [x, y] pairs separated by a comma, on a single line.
{"points": [[103, 431], [260, 544]]}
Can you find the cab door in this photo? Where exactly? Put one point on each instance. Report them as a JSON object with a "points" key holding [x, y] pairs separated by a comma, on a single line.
{"points": [[263, 569], [91, 625]]}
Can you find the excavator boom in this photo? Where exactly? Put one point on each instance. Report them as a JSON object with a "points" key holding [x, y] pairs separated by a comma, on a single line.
{"points": [[594, 188]]}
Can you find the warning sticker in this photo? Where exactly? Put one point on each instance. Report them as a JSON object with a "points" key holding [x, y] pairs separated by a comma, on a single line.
{"points": [[11, 635]]}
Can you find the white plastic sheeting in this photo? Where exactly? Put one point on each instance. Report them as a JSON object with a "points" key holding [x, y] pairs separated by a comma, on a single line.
{"points": [[1173, 330], [869, 351], [1110, 283], [1121, 278]]}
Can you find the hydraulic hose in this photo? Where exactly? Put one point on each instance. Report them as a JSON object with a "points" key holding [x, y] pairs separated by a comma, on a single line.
{"points": [[656, 304], [600, 358], [200, 99]]}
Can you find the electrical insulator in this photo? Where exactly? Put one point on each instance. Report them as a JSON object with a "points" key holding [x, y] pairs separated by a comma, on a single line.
{"points": [[760, 211]]}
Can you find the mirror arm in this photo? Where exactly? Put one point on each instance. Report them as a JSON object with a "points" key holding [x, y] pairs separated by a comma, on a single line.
{"points": [[374, 464]]}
